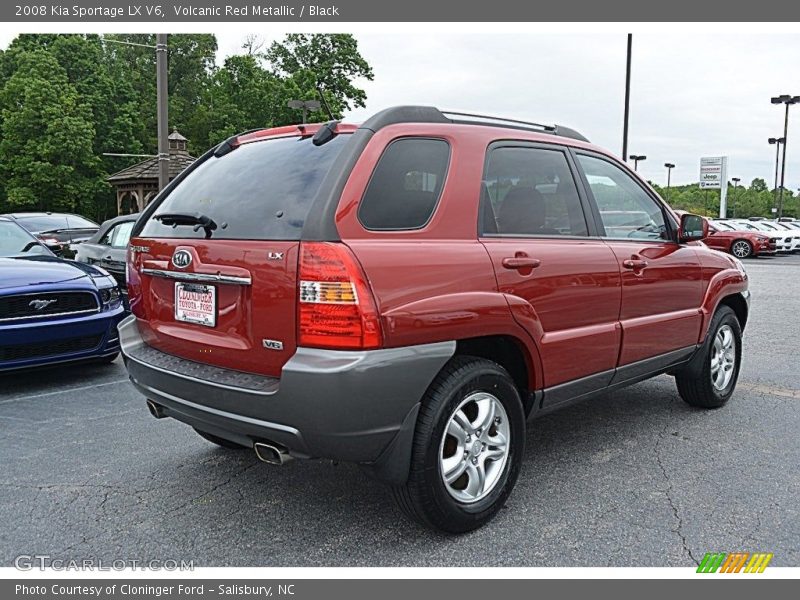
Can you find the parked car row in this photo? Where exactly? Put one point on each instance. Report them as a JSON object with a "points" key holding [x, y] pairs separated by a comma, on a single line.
{"points": [[746, 238], [60, 232]]}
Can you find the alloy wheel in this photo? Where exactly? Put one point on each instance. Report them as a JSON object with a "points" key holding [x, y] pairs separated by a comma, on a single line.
{"points": [[474, 447], [723, 357], [741, 249]]}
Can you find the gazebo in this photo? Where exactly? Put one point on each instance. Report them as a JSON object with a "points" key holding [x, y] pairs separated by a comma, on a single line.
{"points": [[138, 184]]}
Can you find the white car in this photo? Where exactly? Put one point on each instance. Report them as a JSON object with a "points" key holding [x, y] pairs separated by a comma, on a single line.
{"points": [[792, 237], [791, 227], [780, 240]]}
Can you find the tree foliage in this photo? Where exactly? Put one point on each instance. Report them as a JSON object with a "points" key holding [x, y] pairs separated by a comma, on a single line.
{"points": [[755, 200], [66, 100]]}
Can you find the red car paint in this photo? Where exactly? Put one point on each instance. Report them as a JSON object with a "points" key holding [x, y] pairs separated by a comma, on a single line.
{"points": [[578, 312], [723, 239]]}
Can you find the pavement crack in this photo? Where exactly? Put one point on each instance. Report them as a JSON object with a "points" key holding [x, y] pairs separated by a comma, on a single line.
{"points": [[669, 489]]}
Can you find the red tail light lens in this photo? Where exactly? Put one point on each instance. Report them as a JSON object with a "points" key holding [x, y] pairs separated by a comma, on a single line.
{"points": [[336, 307]]}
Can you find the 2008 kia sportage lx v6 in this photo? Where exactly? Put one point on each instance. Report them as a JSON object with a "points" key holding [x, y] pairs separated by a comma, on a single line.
{"points": [[407, 294]]}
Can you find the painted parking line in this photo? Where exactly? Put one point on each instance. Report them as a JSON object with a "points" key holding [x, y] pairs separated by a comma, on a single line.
{"points": [[65, 391], [769, 389]]}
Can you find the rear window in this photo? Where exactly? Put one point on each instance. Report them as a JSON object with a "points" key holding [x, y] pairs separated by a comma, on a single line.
{"points": [[259, 191], [406, 185], [43, 223]]}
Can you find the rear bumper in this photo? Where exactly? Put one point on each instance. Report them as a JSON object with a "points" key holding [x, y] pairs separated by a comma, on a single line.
{"points": [[343, 405], [99, 331]]}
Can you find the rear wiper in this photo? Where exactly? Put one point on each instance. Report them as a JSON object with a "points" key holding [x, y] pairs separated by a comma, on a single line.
{"points": [[196, 220]]}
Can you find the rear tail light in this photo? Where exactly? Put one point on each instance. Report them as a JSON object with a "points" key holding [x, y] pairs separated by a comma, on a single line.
{"points": [[336, 307]]}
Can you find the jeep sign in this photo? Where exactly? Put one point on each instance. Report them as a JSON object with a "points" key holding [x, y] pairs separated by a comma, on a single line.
{"points": [[712, 171], [714, 175]]}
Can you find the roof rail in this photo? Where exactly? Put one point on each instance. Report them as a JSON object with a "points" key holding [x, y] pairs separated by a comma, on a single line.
{"points": [[429, 114], [485, 119]]}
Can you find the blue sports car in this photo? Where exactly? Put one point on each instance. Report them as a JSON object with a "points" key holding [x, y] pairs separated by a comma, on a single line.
{"points": [[52, 310]]}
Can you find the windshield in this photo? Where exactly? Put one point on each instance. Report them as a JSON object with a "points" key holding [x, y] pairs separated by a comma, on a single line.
{"points": [[78, 222], [745, 226], [15, 241], [259, 191], [724, 227]]}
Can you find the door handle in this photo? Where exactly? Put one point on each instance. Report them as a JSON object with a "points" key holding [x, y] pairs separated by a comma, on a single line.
{"points": [[634, 263], [521, 262]]}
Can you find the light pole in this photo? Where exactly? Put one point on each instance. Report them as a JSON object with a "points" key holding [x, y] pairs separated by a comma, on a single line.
{"points": [[305, 106], [162, 103], [777, 142], [162, 100], [636, 158], [669, 166], [787, 100], [627, 100], [735, 181]]}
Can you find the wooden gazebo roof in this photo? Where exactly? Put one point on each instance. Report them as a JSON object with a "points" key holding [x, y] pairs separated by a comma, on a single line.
{"points": [[179, 159]]}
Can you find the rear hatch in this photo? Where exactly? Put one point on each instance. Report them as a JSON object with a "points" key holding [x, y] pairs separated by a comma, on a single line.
{"points": [[213, 272]]}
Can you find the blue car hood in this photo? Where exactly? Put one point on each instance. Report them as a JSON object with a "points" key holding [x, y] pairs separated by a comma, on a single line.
{"points": [[19, 272]]}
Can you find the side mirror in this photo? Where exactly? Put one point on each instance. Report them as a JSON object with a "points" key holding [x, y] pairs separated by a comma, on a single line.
{"points": [[693, 227]]}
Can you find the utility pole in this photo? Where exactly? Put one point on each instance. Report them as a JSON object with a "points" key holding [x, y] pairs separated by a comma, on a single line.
{"points": [[163, 117], [627, 101]]}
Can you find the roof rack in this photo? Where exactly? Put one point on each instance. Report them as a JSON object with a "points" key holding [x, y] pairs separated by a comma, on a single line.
{"points": [[429, 114], [481, 119]]}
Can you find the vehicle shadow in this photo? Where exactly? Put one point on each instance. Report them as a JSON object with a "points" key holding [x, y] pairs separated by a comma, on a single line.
{"points": [[326, 511]]}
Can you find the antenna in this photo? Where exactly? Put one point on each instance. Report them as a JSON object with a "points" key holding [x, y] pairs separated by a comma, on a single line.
{"points": [[325, 102]]}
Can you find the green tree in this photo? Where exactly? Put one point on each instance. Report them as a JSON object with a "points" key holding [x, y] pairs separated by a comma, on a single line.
{"points": [[330, 61], [47, 157]]}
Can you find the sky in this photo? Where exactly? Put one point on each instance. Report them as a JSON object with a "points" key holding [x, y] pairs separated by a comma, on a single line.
{"points": [[692, 95]]}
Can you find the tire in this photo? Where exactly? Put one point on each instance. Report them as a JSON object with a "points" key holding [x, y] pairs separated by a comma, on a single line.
{"points": [[702, 386], [471, 387], [221, 442], [742, 249]]}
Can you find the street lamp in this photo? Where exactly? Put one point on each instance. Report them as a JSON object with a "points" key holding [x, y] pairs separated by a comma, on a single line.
{"points": [[305, 106], [636, 158], [669, 166], [787, 100], [777, 142], [735, 181]]}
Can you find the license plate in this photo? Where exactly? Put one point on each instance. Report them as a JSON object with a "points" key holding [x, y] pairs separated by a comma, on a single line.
{"points": [[196, 304]]}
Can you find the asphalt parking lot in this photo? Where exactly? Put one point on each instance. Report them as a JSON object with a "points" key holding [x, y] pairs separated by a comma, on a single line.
{"points": [[634, 479]]}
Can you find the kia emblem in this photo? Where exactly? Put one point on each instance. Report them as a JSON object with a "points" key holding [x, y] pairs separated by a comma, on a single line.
{"points": [[181, 259]]}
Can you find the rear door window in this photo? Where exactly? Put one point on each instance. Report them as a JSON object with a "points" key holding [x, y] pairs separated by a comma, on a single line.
{"points": [[406, 185], [259, 191], [530, 192]]}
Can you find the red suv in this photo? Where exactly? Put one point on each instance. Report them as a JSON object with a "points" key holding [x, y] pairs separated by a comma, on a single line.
{"points": [[407, 294]]}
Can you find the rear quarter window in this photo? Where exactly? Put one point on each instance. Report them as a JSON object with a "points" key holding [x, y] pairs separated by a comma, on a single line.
{"points": [[259, 191], [406, 185]]}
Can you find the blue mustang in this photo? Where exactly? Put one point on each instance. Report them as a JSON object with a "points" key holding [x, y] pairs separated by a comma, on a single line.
{"points": [[52, 310]]}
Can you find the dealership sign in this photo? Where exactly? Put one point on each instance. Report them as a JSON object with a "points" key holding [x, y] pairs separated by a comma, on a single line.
{"points": [[714, 175], [713, 172]]}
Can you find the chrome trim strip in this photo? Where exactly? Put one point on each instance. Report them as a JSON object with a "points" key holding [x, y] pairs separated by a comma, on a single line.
{"points": [[209, 278], [51, 315], [202, 408]]}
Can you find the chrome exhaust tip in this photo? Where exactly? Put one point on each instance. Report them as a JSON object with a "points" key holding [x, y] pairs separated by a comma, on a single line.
{"points": [[274, 455], [155, 409]]}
